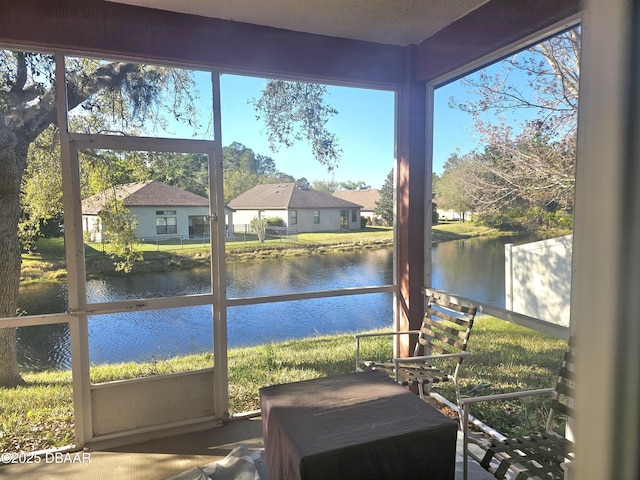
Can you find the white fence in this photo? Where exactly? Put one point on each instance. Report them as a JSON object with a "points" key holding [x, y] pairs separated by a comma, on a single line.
{"points": [[538, 279]]}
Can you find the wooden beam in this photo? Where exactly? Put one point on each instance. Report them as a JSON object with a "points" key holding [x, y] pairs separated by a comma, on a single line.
{"points": [[114, 29], [410, 203], [493, 26]]}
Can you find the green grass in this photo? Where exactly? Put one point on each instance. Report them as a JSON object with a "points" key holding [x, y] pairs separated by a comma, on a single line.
{"points": [[506, 357], [46, 264], [38, 414], [443, 232], [368, 234]]}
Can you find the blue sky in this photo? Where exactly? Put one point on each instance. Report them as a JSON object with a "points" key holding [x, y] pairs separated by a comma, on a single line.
{"points": [[364, 126]]}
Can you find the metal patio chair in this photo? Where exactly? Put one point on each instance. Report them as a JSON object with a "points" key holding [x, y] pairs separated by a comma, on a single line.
{"points": [[440, 347], [540, 455]]}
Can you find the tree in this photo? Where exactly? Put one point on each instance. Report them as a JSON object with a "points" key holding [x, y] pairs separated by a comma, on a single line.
{"points": [[294, 111], [451, 188], [531, 170], [259, 225], [121, 226], [303, 183], [384, 206], [532, 174], [188, 172], [357, 185], [543, 78], [326, 186], [115, 96], [238, 157], [41, 187], [244, 169]]}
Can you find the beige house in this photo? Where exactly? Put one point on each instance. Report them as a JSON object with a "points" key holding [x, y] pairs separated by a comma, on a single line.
{"points": [[367, 198], [162, 211], [301, 208]]}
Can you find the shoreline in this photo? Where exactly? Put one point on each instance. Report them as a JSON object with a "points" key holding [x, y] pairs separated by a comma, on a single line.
{"points": [[50, 267]]}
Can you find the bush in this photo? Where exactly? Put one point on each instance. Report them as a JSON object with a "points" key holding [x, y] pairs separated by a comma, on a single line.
{"points": [[528, 219], [276, 222], [363, 222]]}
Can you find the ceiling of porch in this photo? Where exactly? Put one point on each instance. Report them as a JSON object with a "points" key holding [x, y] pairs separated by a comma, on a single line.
{"points": [[393, 22]]}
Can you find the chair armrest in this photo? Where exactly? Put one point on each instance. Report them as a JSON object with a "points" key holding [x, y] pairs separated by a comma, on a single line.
{"points": [[381, 334], [358, 336], [466, 402], [424, 358], [505, 396]]}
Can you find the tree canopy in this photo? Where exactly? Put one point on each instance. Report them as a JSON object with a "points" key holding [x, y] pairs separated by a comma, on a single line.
{"points": [[295, 111], [384, 207], [523, 176], [244, 169], [451, 191], [114, 97]]}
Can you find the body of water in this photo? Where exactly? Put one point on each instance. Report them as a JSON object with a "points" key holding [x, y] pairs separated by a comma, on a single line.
{"points": [[472, 268]]}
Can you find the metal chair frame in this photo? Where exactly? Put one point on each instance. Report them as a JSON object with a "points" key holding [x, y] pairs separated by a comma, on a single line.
{"points": [[544, 454], [444, 334]]}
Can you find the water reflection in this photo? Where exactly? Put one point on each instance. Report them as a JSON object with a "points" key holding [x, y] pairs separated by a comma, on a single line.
{"points": [[258, 324], [305, 274], [149, 335], [154, 335], [44, 347], [472, 268]]}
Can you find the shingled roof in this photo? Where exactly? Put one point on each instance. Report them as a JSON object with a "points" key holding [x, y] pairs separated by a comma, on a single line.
{"points": [[144, 194], [366, 198], [286, 195]]}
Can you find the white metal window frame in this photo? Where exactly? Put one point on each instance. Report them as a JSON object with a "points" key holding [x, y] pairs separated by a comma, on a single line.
{"points": [[80, 309], [524, 320], [71, 144]]}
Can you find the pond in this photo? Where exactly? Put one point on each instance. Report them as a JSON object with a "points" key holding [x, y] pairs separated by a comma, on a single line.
{"points": [[472, 268]]}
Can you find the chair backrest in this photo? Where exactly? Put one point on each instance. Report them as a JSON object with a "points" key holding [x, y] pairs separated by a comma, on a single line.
{"points": [[564, 394], [446, 327]]}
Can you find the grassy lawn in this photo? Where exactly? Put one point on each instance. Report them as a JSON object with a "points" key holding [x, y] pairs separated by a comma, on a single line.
{"points": [[505, 357], [46, 263], [368, 234]]}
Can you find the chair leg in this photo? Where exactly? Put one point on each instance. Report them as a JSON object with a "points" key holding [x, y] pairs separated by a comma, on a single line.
{"points": [[464, 420], [421, 391]]}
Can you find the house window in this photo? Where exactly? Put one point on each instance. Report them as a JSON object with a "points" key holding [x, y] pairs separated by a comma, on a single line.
{"points": [[354, 215], [316, 216], [166, 225], [293, 217]]}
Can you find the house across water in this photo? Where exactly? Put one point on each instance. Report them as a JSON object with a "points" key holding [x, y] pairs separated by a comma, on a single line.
{"points": [[162, 211], [301, 208]]}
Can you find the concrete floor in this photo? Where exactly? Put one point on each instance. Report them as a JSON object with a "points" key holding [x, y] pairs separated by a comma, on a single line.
{"points": [[160, 459]]}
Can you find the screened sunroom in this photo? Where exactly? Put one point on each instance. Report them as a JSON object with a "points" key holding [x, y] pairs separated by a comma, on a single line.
{"points": [[406, 49]]}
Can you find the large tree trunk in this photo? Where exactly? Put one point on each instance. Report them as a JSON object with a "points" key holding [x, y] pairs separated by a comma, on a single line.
{"points": [[13, 156]]}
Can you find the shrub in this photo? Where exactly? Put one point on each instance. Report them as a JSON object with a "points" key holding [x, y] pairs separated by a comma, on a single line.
{"points": [[275, 222]]}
